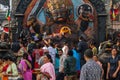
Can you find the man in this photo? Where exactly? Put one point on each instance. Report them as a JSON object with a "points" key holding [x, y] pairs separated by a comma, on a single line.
{"points": [[65, 48], [52, 51], [70, 66], [91, 70], [82, 46], [63, 56]]}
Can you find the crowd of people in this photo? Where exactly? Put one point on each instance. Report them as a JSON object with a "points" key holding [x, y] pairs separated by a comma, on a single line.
{"points": [[47, 60]]}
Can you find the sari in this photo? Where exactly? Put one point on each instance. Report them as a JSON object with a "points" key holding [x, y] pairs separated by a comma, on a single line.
{"points": [[4, 69], [25, 69], [48, 68], [12, 72]]}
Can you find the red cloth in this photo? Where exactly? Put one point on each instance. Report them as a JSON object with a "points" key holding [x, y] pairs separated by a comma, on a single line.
{"points": [[37, 53], [5, 68], [36, 65], [6, 29]]}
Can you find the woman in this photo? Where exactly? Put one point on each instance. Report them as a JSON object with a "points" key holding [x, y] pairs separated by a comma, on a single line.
{"points": [[113, 68], [96, 59], [21, 51], [25, 67], [47, 71], [12, 71], [37, 53], [5, 64]]}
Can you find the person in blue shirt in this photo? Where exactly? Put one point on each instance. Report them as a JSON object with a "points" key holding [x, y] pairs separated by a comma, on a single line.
{"points": [[76, 55]]}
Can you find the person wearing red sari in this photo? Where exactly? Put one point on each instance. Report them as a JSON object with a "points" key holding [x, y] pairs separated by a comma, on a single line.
{"points": [[5, 65], [37, 53]]}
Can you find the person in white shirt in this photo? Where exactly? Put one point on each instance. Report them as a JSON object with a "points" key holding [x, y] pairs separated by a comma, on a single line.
{"points": [[65, 48], [52, 51], [60, 75]]}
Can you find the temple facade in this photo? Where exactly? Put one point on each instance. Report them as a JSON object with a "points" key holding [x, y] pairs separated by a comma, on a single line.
{"points": [[53, 16]]}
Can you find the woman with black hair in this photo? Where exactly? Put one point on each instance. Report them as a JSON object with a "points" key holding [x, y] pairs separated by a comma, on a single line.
{"points": [[5, 64], [113, 68], [25, 67], [47, 71], [21, 51], [12, 71]]}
